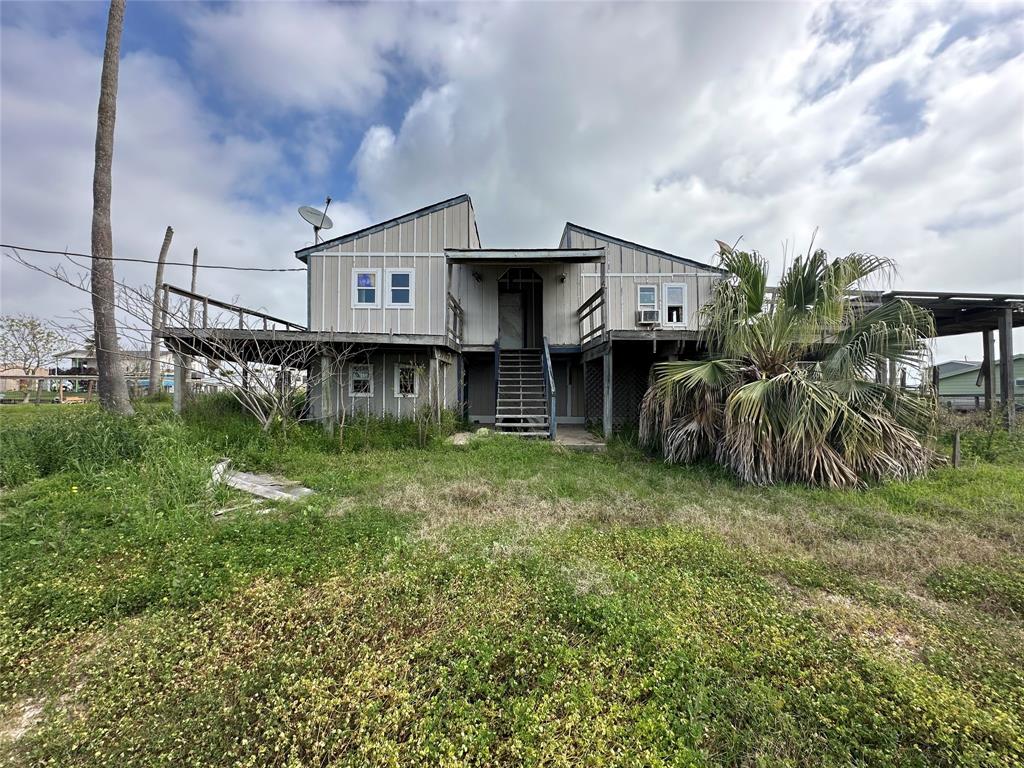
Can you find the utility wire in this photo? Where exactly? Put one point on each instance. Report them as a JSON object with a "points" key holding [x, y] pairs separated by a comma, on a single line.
{"points": [[154, 261]]}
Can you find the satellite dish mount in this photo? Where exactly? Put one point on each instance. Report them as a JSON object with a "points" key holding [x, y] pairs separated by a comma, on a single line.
{"points": [[319, 219]]}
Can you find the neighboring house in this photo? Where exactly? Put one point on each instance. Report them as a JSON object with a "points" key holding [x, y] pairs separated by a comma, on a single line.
{"points": [[962, 385], [81, 361], [14, 377], [440, 318], [135, 363]]}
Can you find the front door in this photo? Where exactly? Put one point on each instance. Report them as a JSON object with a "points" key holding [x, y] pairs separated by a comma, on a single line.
{"points": [[510, 320]]}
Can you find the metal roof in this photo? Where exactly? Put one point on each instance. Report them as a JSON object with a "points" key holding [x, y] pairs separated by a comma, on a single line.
{"points": [[638, 247], [957, 313], [302, 253]]}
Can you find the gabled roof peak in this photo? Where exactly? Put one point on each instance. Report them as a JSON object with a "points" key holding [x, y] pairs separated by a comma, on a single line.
{"points": [[302, 253], [637, 246]]}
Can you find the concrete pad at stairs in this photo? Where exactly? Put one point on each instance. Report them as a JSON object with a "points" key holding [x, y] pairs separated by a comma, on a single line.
{"points": [[576, 438]]}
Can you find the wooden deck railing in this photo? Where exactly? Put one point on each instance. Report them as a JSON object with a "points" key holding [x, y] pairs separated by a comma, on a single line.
{"points": [[248, 319], [455, 325], [592, 324]]}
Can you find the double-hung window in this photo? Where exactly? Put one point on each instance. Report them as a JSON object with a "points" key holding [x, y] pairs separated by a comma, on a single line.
{"points": [[365, 288], [406, 380], [674, 300], [360, 380], [401, 288], [646, 297]]}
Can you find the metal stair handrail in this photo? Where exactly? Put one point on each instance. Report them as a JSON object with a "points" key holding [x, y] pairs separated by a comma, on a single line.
{"points": [[549, 390]]}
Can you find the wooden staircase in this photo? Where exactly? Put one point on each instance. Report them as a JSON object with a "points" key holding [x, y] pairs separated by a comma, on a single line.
{"points": [[522, 402]]}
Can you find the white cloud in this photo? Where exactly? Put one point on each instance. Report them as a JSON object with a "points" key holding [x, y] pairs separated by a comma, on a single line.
{"points": [[675, 125], [314, 58], [174, 163], [670, 124]]}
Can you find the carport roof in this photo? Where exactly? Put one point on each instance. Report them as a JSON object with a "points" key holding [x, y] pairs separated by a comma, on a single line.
{"points": [[957, 313]]}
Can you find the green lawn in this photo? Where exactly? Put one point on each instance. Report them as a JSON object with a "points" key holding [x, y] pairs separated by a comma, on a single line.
{"points": [[504, 603]]}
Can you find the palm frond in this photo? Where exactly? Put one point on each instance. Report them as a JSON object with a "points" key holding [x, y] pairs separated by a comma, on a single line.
{"points": [[686, 394], [791, 395]]}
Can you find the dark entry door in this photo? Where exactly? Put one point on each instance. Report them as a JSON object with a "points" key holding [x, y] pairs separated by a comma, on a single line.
{"points": [[510, 320]]}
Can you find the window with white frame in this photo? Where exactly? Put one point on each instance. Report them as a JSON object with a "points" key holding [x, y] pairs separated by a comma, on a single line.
{"points": [[406, 380], [360, 380], [401, 288], [365, 287], [674, 299], [646, 297]]}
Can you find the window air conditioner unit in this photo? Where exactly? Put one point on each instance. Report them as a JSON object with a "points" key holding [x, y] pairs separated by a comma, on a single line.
{"points": [[648, 316]]}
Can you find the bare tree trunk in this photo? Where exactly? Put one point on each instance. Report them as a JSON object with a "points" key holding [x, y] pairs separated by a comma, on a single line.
{"points": [[155, 377], [112, 386]]}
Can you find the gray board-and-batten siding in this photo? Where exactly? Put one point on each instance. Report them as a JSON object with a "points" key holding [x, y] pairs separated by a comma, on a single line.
{"points": [[415, 241]]}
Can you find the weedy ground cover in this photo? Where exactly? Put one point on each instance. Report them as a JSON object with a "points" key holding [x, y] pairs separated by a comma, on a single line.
{"points": [[503, 603]]}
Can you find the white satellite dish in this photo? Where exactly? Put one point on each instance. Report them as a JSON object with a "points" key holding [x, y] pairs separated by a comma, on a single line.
{"points": [[319, 219]]}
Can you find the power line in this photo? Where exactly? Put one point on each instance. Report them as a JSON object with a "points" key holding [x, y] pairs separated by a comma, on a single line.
{"points": [[153, 261]]}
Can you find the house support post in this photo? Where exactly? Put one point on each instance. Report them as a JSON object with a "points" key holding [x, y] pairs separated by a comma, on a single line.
{"points": [[182, 364], [988, 368], [434, 387], [586, 400], [607, 400], [322, 390], [1006, 365]]}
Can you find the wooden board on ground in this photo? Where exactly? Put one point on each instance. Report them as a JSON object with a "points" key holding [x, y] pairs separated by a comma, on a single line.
{"points": [[265, 486]]}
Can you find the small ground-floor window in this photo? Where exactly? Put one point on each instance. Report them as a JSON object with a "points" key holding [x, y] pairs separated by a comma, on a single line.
{"points": [[406, 380], [360, 381]]}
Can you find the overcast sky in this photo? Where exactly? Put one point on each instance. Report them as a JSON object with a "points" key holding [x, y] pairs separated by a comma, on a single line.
{"points": [[896, 130]]}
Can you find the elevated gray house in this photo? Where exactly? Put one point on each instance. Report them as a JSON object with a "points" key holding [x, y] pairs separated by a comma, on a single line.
{"points": [[520, 338]]}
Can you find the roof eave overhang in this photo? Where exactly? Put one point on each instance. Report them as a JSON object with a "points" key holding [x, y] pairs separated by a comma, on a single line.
{"points": [[646, 249], [514, 256], [303, 253]]}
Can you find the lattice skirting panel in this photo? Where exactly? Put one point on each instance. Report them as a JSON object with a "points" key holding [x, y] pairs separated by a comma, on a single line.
{"points": [[629, 383]]}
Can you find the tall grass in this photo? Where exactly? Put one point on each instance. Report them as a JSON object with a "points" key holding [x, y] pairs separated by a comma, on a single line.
{"points": [[85, 441]]}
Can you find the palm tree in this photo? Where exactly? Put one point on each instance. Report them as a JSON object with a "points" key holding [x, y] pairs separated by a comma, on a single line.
{"points": [[112, 385], [790, 391]]}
